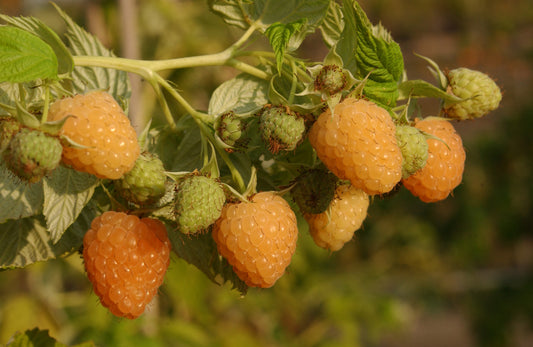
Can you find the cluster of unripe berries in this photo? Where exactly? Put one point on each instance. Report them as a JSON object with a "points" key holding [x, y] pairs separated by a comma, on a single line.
{"points": [[363, 152]]}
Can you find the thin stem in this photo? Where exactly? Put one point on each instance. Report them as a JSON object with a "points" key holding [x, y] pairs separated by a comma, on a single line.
{"points": [[294, 83], [191, 110], [164, 104], [244, 37], [264, 54], [235, 174], [46, 103], [249, 69]]}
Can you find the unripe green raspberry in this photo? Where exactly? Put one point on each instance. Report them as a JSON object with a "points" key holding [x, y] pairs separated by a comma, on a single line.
{"points": [[414, 149], [8, 128], [313, 191], [229, 129], [330, 80], [198, 203], [482, 94], [32, 154], [145, 183], [281, 128]]}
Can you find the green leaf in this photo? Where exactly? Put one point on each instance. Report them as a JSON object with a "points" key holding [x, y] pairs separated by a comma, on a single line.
{"points": [[25, 241], [370, 50], [66, 192], [38, 28], [80, 42], [34, 338], [18, 199], [242, 13], [200, 250], [25, 57], [332, 26], [233, 12], [279, 36], [420, 88], [241, 94]]}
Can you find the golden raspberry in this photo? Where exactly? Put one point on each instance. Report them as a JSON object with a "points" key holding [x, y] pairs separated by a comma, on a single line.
{"points": [[258, 238], [445, 163], [99, 124], [335, 227], [126, 259], [358, 143]]}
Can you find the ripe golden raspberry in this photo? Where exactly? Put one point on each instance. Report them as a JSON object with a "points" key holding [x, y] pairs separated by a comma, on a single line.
{"points": [[334, 227], [358, 143], [126, 259], [99, 124], [445, 163], [258, 238]]}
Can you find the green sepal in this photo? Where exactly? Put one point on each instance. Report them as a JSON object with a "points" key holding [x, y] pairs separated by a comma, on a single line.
{"points": [[25, 118]]}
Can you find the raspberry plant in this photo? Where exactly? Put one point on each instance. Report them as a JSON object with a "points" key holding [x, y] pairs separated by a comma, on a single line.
{"points": [[363, 73]]}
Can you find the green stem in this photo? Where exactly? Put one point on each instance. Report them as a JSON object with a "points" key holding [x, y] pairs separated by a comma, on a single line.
{"points": [[235, 174], [46, 103], [204, 117], [294, 83], [249, 69], [302, 74], [164, 104]]}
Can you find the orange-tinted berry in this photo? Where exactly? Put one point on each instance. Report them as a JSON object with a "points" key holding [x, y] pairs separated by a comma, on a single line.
{"points": [[126, 259], [98, 123], [335, 227], [445, 163], [358, 143], [258, 238]]}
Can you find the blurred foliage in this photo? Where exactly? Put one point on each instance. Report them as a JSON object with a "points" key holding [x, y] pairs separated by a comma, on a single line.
{"points": [[472, 253]]}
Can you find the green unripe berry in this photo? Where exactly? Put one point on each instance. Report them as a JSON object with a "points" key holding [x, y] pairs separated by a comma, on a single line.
{"points": [[414, 148], [281, 129], [482, 94], [145, 183], [32, 154], [230, 128], [330, 80], [198, 203]]}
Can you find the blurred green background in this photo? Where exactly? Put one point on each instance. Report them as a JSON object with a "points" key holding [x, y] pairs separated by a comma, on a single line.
{"points": [[456, 273]]}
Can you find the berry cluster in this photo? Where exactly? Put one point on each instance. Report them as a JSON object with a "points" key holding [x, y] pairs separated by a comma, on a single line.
{"points": [[331, 130]]}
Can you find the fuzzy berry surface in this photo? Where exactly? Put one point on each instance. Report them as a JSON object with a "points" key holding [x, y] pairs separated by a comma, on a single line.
{"points": [[145, 183], [414, 149], [258, 238], [198, 203], [99, 124], [281, 129], [335, 227], [230, 130], [358, 143], [32, 154], [482, 94], [8, 128], [444, 167], [330, 80], [313, 190], [126, 259]]}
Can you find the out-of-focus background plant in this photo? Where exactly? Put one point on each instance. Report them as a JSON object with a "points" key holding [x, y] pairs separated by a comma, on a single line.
{"points": [[455, 273]]}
